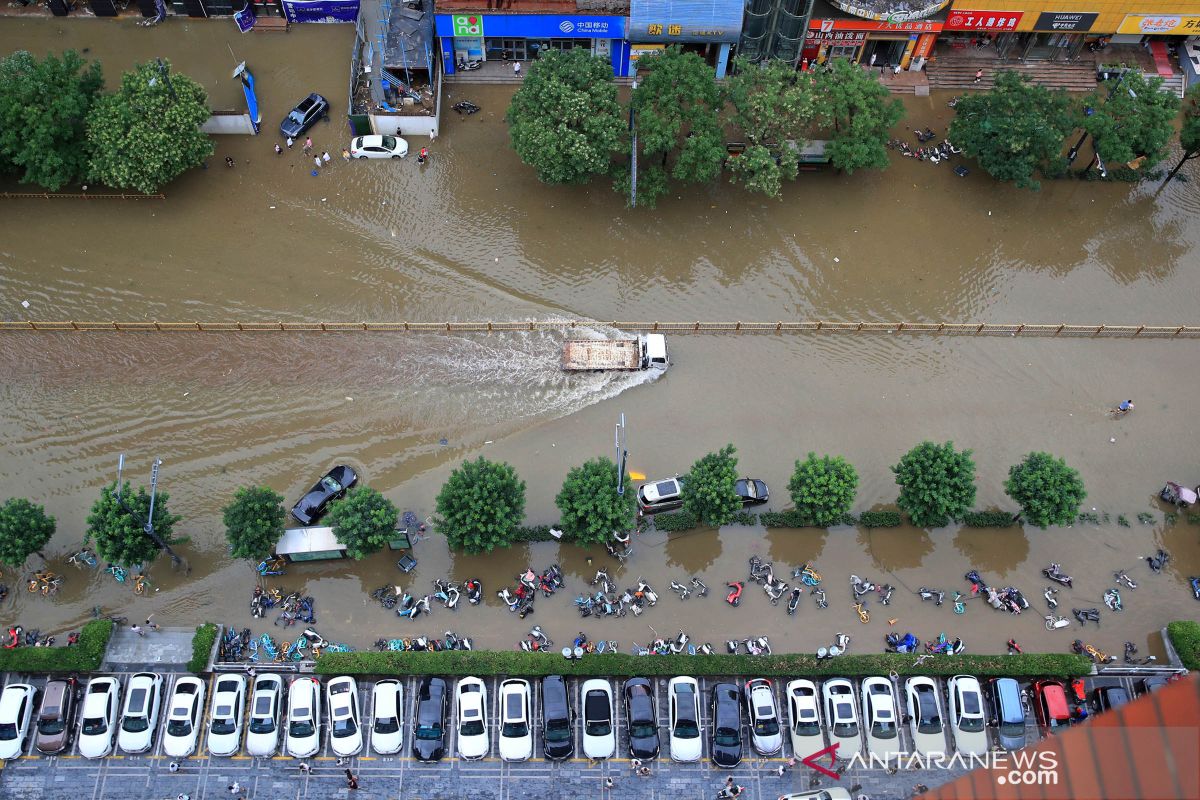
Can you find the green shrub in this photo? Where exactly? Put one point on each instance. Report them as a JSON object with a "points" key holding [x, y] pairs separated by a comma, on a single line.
{"points": [[507, 662], [83, 656], [745, 518], [794, 519], [880, 519], [988, 519], [677, 521], [535, 533], [202, 644], [1185, 638]]}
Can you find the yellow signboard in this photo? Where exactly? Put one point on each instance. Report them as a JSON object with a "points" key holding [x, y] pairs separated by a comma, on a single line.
{"points": [[1173, 24]]}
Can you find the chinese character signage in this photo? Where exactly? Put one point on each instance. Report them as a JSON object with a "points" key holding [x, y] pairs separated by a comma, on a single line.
{"points": [[685, 20], [837, 38], [1160, 23], [1064, 21], [320, 10], [530, 26], [961, 20], [911, 26], [915, 10]]}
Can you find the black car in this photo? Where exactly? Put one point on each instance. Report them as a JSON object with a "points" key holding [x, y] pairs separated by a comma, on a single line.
{"points": [[429, 727], [1153, 684], [643, 720], [1111, 697], [302, 117], [752, 491], [332, 487], [558, 719], [726, 716]]}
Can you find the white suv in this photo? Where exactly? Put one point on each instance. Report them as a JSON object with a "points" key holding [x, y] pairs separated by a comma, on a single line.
{"points": [[139, 719], [98, 720], [16, 711], [805, 718], [228, 708], [387, 700], [266, 700], [185, 714], [345, 732], [304, 718], [516, 733], [470, 703], [599, 741], [764, 716]]}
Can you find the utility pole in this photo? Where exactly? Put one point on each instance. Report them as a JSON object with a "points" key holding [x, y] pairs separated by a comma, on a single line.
{"points": [[148, 523], [633, 153], [622, 454]]}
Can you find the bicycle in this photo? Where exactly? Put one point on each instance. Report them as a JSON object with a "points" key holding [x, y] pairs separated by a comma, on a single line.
{"points": [[83, 558], [117, 572], [45, 582], [140, 582], [98, 613], [275, 565]]}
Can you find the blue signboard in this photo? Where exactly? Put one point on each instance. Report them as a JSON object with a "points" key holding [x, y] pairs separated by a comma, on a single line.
{"points": [[320, 10], [244, 18], [541, 26], [685, 20]]}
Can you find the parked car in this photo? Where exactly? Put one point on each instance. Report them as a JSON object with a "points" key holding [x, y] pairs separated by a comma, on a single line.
{"points": [[139, 718], [765, 734], [470, 702], [832, 793], [228, 707], [968, 721], [642, 718], [56, 717], [664, 495], [805, 730], [185, 715], [16, 712], [683, 696], [98, 724], [429, 720], [1154, 683], [752, 491], [378, 147], [304, 718], [1010, 714], [516, 730], [1111, 697], [304, 115], [345, 730], [558, 719], [726, 715], [332, 487], [840, 716], [387, 700], [599, 741], [1050, 705], [879, 718], [266, 704], [925, 716]]}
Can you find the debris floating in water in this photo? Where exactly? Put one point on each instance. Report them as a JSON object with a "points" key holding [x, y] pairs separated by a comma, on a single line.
{"points": [[443, 441]]}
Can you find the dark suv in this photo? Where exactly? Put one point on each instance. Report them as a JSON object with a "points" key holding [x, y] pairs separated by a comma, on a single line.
{"points": [[726, 726], [56, 717], [558, 720], [429, 730], [304, 115]]}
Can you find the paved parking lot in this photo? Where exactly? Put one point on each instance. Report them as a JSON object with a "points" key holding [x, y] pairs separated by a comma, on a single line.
{"points": [[71, 777]]}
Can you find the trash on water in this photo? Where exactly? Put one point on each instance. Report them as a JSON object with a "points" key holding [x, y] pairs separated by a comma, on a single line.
{"points": [[351, 399], [24, 304]]}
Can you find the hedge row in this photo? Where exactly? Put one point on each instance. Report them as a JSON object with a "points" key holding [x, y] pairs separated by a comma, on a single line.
{"points": [[503, 662], [683, 521], [202, 645], [83, 656], [1185, 638], [989, 519]]}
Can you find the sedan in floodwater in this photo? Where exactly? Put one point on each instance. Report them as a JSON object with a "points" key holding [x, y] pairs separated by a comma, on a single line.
{"points": [[332, 487], [752, 491], [304, 115], [378, 147]]}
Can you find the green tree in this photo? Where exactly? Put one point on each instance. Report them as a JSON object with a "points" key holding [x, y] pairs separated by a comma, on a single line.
{"points": [[1136, 119], [937, 484], [254, 521], [677, 106], [565, 120], [43, 109], [1014, 131], [480, 506], [772, 107], [364, 521], [860, 111], [823, 489], [591, 510], [1047, 490], [1189, 132], [24, 529], [709, 490], [117, 528], [148, 132]]}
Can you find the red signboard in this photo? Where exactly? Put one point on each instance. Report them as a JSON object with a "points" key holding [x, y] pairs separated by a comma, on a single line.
{"points": [[912, 26], [960, 20]]}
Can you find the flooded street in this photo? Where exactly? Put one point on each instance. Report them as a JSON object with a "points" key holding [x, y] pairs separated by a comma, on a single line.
{"points": [[474, 236]]}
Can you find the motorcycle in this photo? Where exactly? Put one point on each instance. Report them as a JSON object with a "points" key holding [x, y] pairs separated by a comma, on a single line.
{"points": [[465, 107], [619, 555], [901, 644], [761, 572], [1051, 595], [735, 593], [680, 643], [932, 594], [701, 588], [1054, 572], [860, 586], [644, 591], [1112, 599], [794, 601], [775, 590], [925, 135], [977, 584], [474, 589], [1131, 651], [1123, 579], [680, 589], [1158, 560], [601, 577], [469, 66], [1195, 582], [1086, 615], [885, 594], [759, 646], [819, 596]]}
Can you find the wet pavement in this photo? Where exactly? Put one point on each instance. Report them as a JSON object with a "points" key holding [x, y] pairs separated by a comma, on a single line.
{"points": [[472, 235]]}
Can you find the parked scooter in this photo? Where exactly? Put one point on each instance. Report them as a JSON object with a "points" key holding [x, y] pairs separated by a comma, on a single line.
{"points": [[1131, 651], [465, 107], [794, 600], [1086, 615], [701, 588], [735, 593], [1158, 560], [468, 66], [1112, 599], [932, 594], [1054, 572]]}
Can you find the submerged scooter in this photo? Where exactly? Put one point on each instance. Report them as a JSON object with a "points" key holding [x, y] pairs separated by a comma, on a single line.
{"points": [[1054, 572]]}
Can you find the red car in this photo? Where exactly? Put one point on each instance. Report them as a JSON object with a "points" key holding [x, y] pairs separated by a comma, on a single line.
{"points": [[1050, 705]]}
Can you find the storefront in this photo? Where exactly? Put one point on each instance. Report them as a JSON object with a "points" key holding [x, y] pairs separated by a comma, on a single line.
{"points": [[875, 42], [707, 27], [524, 37], [1135, 28]]}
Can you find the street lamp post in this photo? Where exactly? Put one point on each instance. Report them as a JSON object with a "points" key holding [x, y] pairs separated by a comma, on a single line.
{"points": [[148, 523]]}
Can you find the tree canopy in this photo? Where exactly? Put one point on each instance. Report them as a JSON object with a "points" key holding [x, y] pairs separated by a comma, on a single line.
{"points": [[709, 488], [1047, 490], [480, 506], [859, 110], [117, 528], [591, 510], [254, 521], [772, 106], [148, 132], [1132, 120], [565, 120], [1189, 131], [44, 106], [364, 521], [937, 484], [823, 489], [25, 528], [1014, 131]]}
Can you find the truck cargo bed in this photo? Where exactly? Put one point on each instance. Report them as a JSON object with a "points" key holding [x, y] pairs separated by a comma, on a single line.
{"points": [[601, 354]]}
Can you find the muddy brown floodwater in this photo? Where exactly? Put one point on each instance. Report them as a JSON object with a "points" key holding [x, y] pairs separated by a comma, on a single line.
{"points": [[473, 235]]}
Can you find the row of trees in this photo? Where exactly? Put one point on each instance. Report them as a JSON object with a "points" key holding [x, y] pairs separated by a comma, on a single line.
{"points": [[566, 122], [57, 128]]}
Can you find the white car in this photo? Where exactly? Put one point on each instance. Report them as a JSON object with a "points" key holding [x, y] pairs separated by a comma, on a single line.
{"points": [[16, 711], [805, 730], [516, 730], [139, 718], [765, 734], [266, 702], [968, 723], [683, 697], [840, 716], [345, 730], [470, 703], [98, 720], [879, 718], [925, 716], [832, 793], [378, 147], [304, 718], [596, 699], [225, 721], [387, 699], [185, 715]]}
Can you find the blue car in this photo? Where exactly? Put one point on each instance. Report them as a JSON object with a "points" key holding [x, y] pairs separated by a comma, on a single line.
{"points": [[304, 115]]}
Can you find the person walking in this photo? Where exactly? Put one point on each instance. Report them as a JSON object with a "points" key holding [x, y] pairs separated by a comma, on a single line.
{"points": [[154, 625], [351, 780], [229, 161], [325, 157], [235, 788], [308, 145], [290, 142], [978, 76], [173, 766], [137, 629], [608, 783], [782, 770], [305, 768], [517, 68], [317, 161], [345, 155], [278, 149]]}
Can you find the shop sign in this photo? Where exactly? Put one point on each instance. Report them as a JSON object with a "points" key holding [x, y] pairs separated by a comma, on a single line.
{"points": [[685, 20], [637, 51], [530, 26], [913, 26], [1160, 23], [1064, 21], [320, 10], [869, 12], [467, 24], [960, 20], [844, 38]]}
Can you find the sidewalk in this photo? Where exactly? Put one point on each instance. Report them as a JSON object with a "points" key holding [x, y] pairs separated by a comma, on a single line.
{"points": [[164, 650]]}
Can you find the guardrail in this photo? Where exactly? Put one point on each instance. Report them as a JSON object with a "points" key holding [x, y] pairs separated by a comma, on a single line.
{"points": [[79, 196]]}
